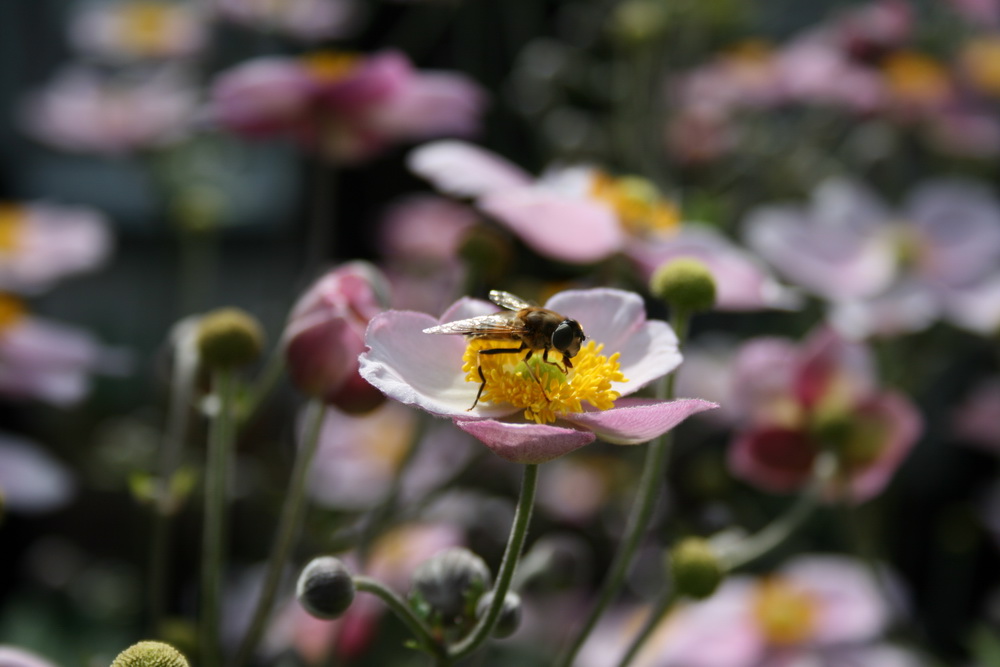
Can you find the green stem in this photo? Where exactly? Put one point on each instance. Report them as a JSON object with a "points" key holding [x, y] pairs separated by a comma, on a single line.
{"points": [[178, 411], [656, 615], [653, 472], [775, 533], [402, 610], [518, 532], [263, 386], [292, 515], [220, 441]]}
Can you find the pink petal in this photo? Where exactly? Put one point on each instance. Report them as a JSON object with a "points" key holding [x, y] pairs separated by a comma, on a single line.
{"points": [[776, 459], [433, 105], [31, 479], [618, 320], [636, 420], [850, 605], [559, 226], [976, 308], [461, 169], [904, 425], [420, 369], [11, 656], [525, 443]]}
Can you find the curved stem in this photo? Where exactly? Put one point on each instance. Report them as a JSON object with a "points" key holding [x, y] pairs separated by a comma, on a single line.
{"points": [[653, 472], [220, 441], [402, 610], [292, 514], [518, 532], [263, 386], [656, 615], [781, 529]]}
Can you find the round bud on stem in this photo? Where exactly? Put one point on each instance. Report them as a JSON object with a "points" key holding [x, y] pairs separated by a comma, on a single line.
{"points": [[684, 283], [510, 614], [150, 654], [451, 582], [695, 567], [229, 337], [325, 588]]}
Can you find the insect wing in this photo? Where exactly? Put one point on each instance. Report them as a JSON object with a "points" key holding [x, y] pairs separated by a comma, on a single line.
{"points": [[508, 300], [496, 324]]}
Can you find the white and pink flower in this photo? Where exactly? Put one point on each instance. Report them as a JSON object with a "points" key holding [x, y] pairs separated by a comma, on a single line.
{"points": [[310, 20], [344, 107], [131, 30], [427, 371], [31, 480], [41, 243]]}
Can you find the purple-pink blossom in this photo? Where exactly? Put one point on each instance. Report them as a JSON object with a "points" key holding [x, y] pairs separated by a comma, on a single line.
{"points": [[426, 370]]}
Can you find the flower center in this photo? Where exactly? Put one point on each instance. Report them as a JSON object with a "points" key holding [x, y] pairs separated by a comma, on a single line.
{"points": [[146, 25], [916, 78], [11, 310], [11, 226], [643, 211], [981, 61], [330, 66], [786, 614], [545, 390]]}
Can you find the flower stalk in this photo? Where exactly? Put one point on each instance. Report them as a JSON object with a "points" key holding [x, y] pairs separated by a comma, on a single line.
{"points": [[222, 432], [292, 515], [402, 610]]}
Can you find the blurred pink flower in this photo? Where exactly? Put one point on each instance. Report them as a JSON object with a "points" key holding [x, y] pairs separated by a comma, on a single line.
{"points": [[41, 243], [83, 110], [325, 334], [359, 457], [427, 371], [11, 656], [47, 361], [311, 20], [792, 401], [127, 30], [978, 12], [31, 480], [573, 214], [977, 418], [742, 282], [884, 272], [344, 107], [817, 608], [868, 30], [424, 229]]}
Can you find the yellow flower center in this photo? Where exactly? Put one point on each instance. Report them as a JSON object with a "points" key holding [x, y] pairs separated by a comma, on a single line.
{"points": [[981, 61], [11, 227], [330, 66], [786, 615], [11, 310], [915, 77], [545, 390], [145, 26], [643, 211]]}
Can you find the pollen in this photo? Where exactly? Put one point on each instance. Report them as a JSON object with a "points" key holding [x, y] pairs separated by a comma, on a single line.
{"points": [[11, 310], [11, 225], [330, 66], [545, 390], [786, 614], [145, 25], [641, 208]]}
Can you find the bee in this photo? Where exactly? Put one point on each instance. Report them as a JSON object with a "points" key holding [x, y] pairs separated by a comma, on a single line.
{"points": [[534, 328]]}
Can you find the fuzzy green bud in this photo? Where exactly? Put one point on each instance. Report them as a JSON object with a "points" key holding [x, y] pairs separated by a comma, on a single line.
{"points": [[696, 568], [451, 582], [325, 588], [150, 654], [684, 283], [510, 613], [229, 337]]}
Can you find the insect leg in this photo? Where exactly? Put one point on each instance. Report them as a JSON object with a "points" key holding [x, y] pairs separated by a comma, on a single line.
{"points": [[482, 385]]}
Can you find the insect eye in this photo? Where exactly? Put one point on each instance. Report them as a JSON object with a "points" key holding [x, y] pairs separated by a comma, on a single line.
{"points": [[566, 338]]}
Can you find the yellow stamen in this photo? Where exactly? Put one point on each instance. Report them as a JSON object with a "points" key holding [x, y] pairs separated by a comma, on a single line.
{"points": [[11, 310], [542, 388], [330, 66], [145, 26], [786, 614], [11, 226], [914, 77], [981, 61], [643, 211]]}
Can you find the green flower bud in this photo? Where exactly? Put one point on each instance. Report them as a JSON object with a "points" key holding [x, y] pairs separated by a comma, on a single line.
{"points": [[638, 21], [684, 283], [451, 582], [229, 337], [325, 588], [695, 567], [510, 613], [150, 654]]}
